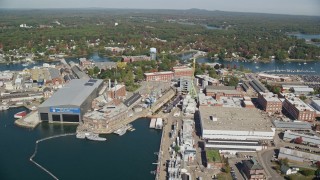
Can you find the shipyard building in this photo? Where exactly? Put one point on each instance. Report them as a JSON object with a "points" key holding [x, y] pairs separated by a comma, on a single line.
{"points": [[69, 103], [234, 129]]}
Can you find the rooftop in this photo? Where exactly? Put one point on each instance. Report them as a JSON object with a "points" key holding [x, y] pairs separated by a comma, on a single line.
{"points": [[54, 73], [269, 96], [303, 89], [74, 93], [219, 88], [298, 103], [240, 119], [291, 125], [79, 73], [268, 76], [158, 73], [252, 164]]}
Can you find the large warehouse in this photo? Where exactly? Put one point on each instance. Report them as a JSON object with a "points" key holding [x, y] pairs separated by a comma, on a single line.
{"points": [[234, 123], [69, 103], [232, 130]]}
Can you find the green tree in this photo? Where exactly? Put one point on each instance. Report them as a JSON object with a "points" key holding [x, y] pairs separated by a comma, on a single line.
{"points": [[213, 73], [284, 161], [96, 70], [303, 97], [91, 72], [307, 172], [176, 148], [139, 74]]}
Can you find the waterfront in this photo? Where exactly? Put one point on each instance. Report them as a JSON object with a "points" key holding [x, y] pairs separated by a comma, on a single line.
{"points": [[290, 67], [120, 157]]}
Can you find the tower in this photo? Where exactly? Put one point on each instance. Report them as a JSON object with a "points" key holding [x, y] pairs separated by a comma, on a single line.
{"points": [[153, 53]]}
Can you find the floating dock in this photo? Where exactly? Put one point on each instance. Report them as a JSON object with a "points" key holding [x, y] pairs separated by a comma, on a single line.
{"points": [[153, 123], [156, 123]]}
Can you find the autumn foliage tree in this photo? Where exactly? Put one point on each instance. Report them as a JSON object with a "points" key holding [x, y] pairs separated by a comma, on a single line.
{"points": [[298, 140]]}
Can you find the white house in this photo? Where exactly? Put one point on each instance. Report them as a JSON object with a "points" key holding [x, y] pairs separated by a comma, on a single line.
{"points": [[288, 170]]}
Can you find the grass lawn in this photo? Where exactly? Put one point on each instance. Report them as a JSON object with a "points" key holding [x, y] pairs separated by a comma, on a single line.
{"points": [[213, 155], [299, 176]]}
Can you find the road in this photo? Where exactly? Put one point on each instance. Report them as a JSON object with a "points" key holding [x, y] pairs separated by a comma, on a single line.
{"points": [[266, 157]]}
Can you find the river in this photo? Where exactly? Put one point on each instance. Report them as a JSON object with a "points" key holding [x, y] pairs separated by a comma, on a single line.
{"points": [[18, 67], [290, 67], [119, 158]]}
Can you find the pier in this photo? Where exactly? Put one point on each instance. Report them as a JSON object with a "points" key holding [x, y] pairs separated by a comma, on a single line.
{"points": [[36, 150]]}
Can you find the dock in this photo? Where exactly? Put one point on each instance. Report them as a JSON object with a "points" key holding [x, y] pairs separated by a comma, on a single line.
{"points": [[153, 123], [30, 121]]}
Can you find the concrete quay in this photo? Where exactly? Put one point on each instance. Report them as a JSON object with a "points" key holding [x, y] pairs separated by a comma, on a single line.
{"points": [[30, 121]]}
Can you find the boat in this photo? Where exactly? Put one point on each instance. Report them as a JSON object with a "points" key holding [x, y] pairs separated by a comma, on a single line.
{"points": [[3, 108], [81, 135], [94, 137], [305, 62], [121, 131], [25, 64], [20, 114], [131, 129]]}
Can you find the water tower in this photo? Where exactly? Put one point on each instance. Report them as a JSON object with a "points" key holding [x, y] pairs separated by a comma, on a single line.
{"points": [[153, 53]]}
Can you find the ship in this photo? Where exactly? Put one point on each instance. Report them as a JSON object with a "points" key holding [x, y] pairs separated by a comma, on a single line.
{"points": [[81, 135], [121, 131], [3, 108], [94, 137], [20, 114]]}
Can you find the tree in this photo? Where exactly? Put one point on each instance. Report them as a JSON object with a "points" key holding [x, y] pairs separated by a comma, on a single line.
{"points": [[139, 74], [213, 73], [217, 66], [232, 81], [227, 169], [307, 172], [96, 70], [284, 161], [298, 140], [90, 72], [176, 148], [303, 97]]}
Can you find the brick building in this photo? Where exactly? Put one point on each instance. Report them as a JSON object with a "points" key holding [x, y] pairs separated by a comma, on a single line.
{"points": [[159, 76], [225, 91], [181, 71], [298, 109], [270, 102], [84, 62], [117, 92], [253, 170], [130, 59]]}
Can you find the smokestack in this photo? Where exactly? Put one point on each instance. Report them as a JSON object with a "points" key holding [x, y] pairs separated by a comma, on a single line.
{"points": [[109, 84], [115, 88]]}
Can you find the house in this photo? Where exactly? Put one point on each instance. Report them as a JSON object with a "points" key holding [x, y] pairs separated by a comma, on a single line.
{"points": [[47, 92], [288, 170]]}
